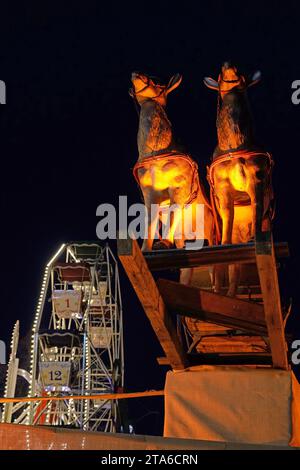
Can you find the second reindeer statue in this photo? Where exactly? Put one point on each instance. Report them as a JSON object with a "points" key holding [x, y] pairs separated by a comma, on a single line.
{"points": [[240, 174]]}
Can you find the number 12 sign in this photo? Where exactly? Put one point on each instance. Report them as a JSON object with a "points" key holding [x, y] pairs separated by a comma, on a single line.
{"points": [[55, 373]]}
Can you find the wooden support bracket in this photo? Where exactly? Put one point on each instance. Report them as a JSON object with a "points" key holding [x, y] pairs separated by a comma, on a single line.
{"points": [[147, 291], [214, 308], [266, 266]]}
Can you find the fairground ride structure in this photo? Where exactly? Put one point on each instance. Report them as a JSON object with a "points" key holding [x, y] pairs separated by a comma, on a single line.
{"points": [[76, 343]]}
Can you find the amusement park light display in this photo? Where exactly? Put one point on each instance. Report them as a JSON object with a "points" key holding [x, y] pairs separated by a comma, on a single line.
{"points": [[33, 343]]}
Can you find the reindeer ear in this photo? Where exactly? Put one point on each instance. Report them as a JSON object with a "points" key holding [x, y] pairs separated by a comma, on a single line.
{"points": [[256, 77], [211, 83], [174, 82]]}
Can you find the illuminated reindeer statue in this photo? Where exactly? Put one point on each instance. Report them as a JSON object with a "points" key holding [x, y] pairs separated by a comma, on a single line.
{"points": [[240, 174], [166, 175]]}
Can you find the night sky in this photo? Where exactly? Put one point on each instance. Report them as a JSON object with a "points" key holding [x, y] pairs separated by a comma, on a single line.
{"points": [[68, 135]]}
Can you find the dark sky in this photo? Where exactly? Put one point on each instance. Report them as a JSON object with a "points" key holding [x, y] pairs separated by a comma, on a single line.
{"points": [[68, 132]]}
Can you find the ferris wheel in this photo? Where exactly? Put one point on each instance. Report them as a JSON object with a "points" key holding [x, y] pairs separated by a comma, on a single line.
{"points": [[76, 342]]}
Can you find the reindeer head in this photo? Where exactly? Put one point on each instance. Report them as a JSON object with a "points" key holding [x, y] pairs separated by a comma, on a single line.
{"points": [[151, 88], [230, 79]]}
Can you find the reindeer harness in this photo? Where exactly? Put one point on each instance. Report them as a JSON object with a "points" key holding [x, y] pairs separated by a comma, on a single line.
{"points": [[195, 185], [227, 157]]}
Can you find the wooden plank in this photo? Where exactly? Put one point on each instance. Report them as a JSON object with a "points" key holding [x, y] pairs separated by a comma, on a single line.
{"points": [[232, 344], [238, 359], [163, 361], [146, 289], [197, 327], [213, 308], [210, 255], [266, 265]]}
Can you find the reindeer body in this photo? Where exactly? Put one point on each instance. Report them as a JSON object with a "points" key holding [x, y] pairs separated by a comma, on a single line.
{"points": [[155, 130], [240, 174], [166, 175], [234, 123]]}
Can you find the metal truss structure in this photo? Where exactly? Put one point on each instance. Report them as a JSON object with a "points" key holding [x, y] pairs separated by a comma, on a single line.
{"points": [[76, 343]]}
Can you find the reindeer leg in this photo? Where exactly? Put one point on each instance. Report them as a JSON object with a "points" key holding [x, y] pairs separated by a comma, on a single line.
{"points": [[175, 220], [178, 197], [234, 271], [149, 199], [227, 214], [256, 193]]}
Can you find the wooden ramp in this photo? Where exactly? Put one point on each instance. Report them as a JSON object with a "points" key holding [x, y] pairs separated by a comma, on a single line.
{"points": [[248, 329]]}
